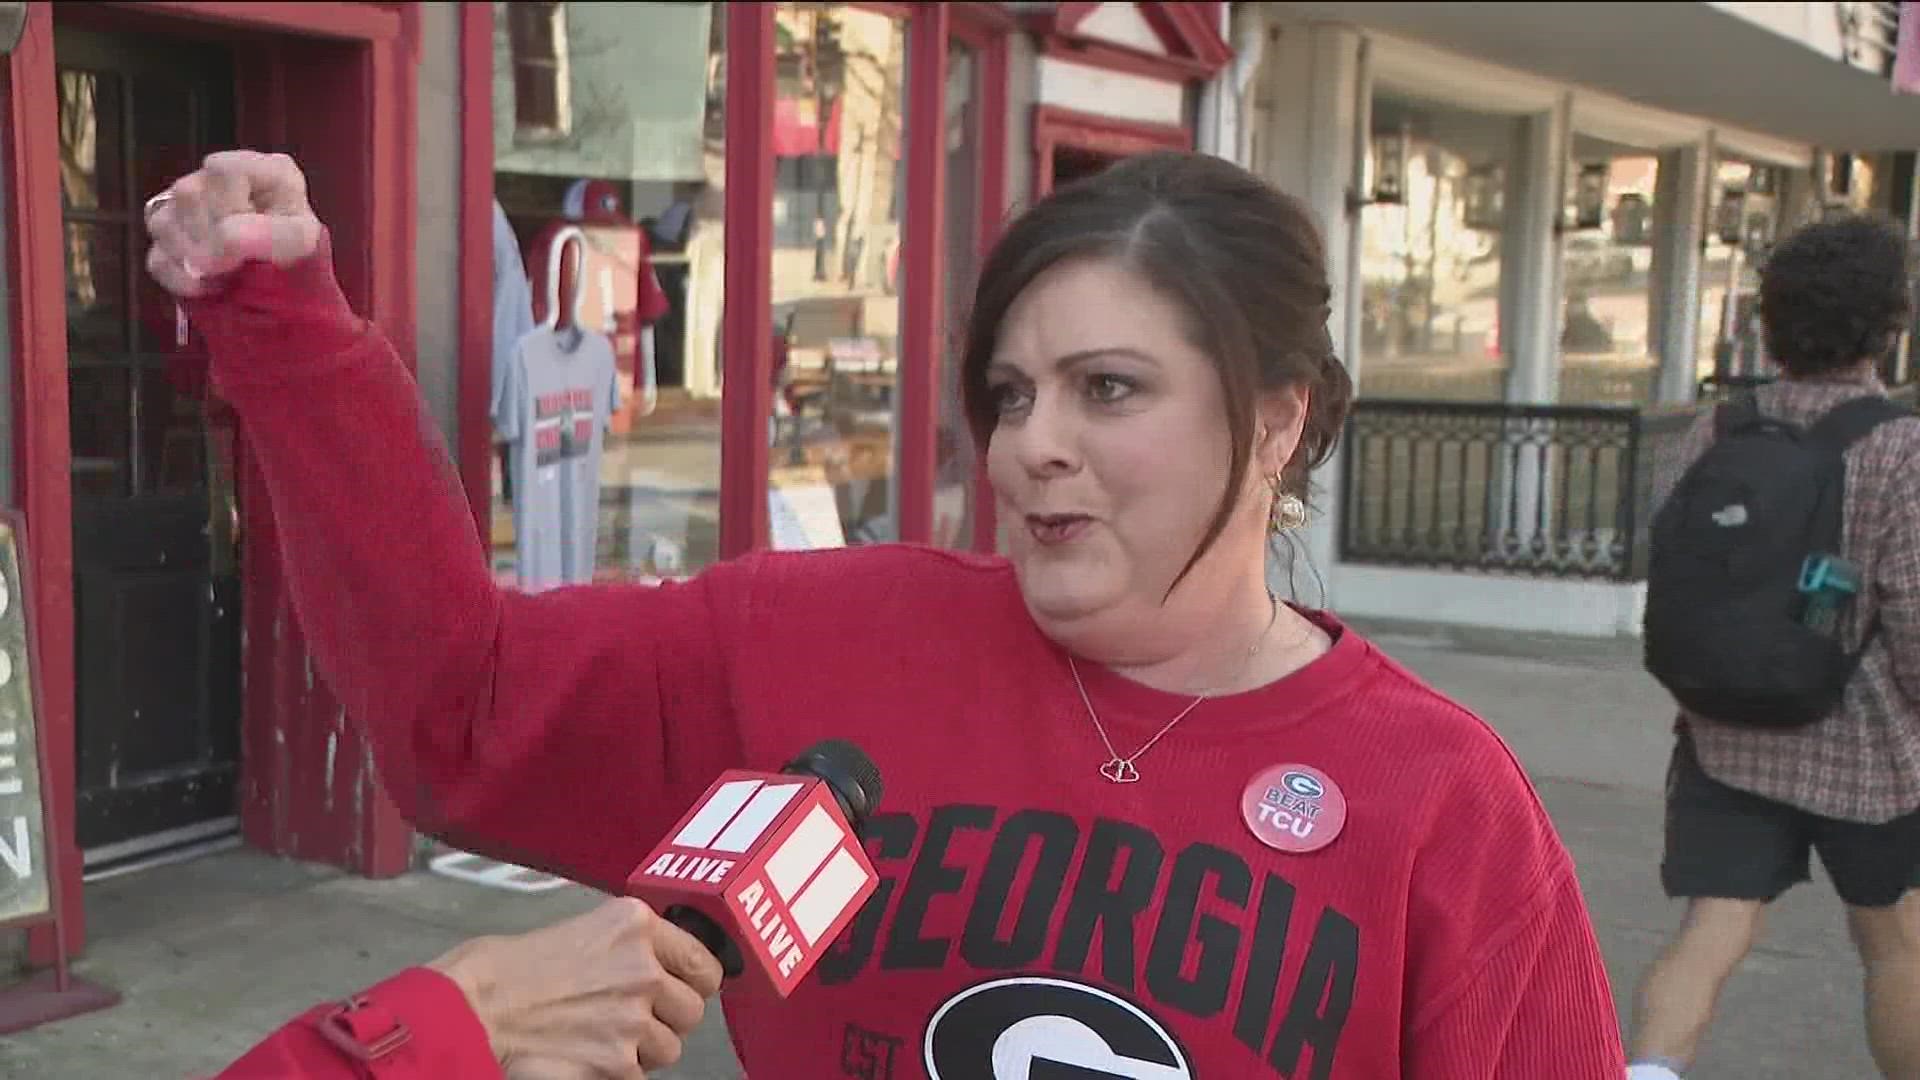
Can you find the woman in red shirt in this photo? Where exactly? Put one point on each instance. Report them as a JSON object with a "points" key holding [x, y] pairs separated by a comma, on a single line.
{"points": [[1144, 819]]}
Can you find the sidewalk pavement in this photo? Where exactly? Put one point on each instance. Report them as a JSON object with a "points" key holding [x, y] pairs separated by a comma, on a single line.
{"points": [[213, 954]]}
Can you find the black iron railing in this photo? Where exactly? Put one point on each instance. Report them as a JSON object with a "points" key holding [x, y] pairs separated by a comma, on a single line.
{"points": [[1536, 490], [1552, 491]]}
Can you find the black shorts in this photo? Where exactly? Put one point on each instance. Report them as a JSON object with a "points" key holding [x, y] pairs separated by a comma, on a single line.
{"points": [[1733, 844]]}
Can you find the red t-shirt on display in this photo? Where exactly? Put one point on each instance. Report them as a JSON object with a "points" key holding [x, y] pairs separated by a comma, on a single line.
{"points": [[1033, 919]]}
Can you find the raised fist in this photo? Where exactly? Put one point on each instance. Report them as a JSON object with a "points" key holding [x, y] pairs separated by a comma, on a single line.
{"points": [[240, 206]]}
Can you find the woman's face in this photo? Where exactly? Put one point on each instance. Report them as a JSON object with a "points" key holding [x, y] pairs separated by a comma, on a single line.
{"points": [[1110, 457]]}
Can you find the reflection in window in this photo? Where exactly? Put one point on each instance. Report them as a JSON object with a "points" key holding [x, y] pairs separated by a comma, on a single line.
{"points": [[839, 168], [1850, 183], [1607, 355], [1740, 229], [96, 320], [638, 92], [90, 128], [541, 90], [1430, 253]]}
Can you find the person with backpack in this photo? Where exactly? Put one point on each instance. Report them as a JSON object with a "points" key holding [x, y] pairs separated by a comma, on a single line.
{"points": [[1783, 614]]}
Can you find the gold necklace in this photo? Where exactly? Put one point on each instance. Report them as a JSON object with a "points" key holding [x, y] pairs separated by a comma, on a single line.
{"points": [[1121, 770]]}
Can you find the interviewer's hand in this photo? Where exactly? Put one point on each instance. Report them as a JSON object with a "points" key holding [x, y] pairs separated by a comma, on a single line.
{"points": [[238, 206], [603, 994]]}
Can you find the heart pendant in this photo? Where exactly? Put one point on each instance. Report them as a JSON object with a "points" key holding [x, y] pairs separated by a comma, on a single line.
{"points": [[1120, 771]]}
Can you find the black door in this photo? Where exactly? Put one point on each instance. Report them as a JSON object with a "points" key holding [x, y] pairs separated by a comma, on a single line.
{"points": [[156, 576]]}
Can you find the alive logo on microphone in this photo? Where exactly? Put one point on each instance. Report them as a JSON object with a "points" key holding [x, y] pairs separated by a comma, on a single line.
{"points": [[774, 852]]}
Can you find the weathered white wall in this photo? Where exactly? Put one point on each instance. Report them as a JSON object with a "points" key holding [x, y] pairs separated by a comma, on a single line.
{"points": [[1812, 23], [1122, 24], [1123, 96], [1529, 605]]}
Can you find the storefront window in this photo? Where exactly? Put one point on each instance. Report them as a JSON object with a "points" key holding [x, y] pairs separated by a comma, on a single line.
{"points": [[1854, 184], [839, 178], [1740, 229], [954, 451], [1607, 355], [1430, 255], [609, 150]]}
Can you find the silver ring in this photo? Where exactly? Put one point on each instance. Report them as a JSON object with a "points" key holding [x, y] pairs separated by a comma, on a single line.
{"points": [[154, 204]]}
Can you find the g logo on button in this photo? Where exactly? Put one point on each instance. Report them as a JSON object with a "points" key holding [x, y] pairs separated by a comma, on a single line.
{"points": [[1303, 785]]}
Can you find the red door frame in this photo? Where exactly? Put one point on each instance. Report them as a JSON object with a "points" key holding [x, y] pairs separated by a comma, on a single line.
{"points": [[746, 329], [378, 159], [473, 447], [923, 270], [987, 30], [41, 449]]}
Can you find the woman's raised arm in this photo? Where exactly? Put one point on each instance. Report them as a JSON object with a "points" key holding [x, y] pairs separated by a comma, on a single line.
{"points": [[563, 730]]}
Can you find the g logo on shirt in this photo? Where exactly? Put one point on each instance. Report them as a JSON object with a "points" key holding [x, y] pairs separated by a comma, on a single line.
{"points": [[1040, 1028]]}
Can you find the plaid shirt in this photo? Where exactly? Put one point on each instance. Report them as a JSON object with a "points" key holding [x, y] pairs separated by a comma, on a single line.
{"points": [[1863, 762]]}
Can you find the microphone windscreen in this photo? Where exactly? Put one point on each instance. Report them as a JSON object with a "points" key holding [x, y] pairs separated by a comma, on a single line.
{"points": [[847, 768]]}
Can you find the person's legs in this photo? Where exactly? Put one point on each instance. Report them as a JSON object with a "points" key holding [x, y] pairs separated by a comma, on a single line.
{"points": [[1874, 869], [1889, 942], [1728, 853], [1678, 993]]}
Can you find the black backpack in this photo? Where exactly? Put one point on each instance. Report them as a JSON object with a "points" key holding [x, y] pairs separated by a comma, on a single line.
{"points": [[1724, 629]]}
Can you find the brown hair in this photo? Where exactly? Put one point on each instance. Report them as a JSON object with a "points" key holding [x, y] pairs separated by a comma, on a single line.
{"points": [[1244, 261]]}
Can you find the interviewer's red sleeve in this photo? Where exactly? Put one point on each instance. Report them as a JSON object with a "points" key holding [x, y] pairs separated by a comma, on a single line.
{"points": [[415, 1025], [564, 730]]}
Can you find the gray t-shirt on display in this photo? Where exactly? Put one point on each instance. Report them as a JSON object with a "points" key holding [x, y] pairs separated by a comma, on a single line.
{"points": [[554, 408], [512, 312]]}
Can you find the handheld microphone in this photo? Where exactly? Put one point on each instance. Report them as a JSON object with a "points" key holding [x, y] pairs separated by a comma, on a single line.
{"points": [[773, 860]]}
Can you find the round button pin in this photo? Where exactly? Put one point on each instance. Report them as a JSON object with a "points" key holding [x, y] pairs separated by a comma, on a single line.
{"points": [[1293, 808]]}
